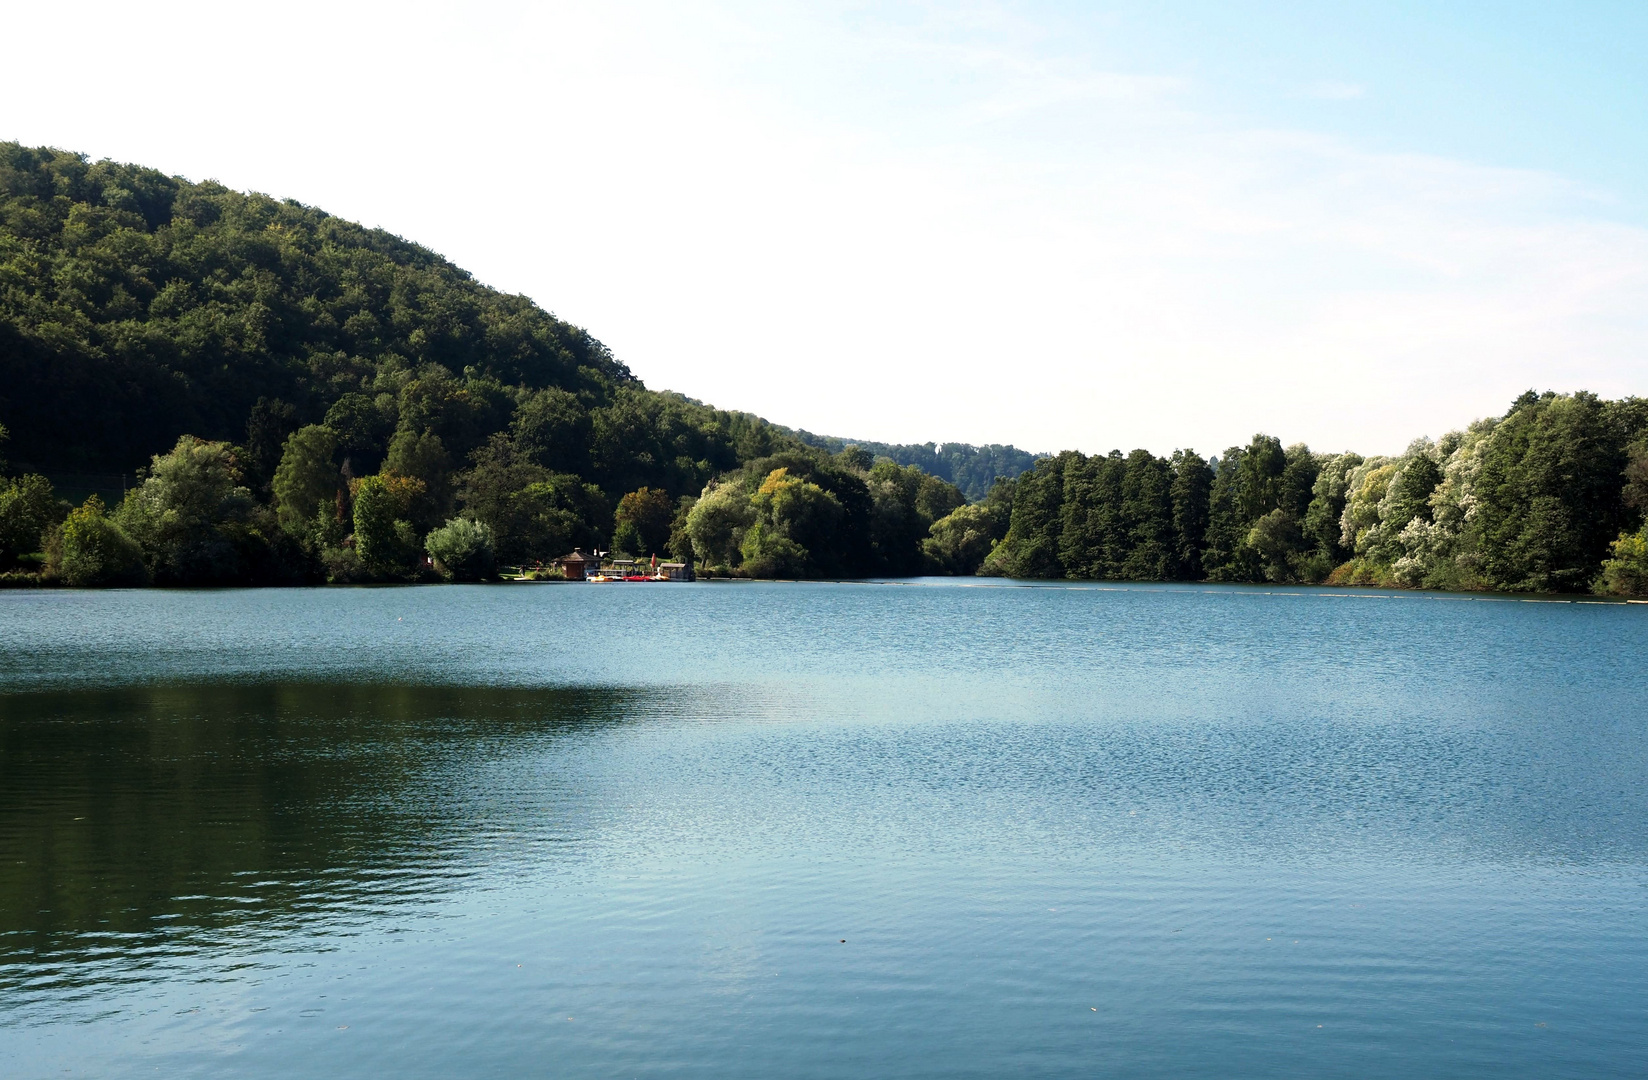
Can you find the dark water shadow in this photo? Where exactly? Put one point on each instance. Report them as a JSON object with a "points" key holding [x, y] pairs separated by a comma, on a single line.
{"points": [[140, 821]]}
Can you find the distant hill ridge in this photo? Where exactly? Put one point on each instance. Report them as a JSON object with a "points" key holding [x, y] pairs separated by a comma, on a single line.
{"points": [[971, 468]]}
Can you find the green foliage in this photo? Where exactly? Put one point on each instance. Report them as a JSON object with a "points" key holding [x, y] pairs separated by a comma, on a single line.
{"points": [[904, 502], [90, 550], [1322, 526], [857, 458], [386, 543], [1626, 573], [1191, 493], [535, 515], [680, 540], [27, 508], [768, 553], [422, 457], [135, 307], [270, 422], [1138, 517], [307, 478], [959, 542], [795, 522], [1279, 544], [1635, 494], [462, 550], [197, 524], [141, 312], [1548, 497], [973, 470], [363, 424], [553, 428], [642, 522], [803, 514], [1251, 484], [1031, 547], [717, 523]]}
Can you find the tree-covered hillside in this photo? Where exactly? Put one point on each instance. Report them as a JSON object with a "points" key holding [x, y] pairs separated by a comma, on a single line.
{"points": [[135, 307], [307, 400], [268, 365]]}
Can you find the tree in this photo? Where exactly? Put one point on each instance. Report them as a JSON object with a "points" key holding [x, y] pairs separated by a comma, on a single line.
{"points": [[1277, 540], [385, 541], [1626, 573], [1225, 556], [717, 523], [493, 492], [307, 478], [1635, 493], [1031, 547], [1409, 495], [270, 422], [680, 541], [1549, 501], [140, 307], [1322, 527], [27, 508], [420, 456], [1092, 537], [1259, 477], [793, 518], [904, 504], [768, 553], [90, 550], [1147, 519], [857, 458], [552, 428], [193, 518], [642, 522], [1191, 493], [462, 550], [364, 424], [960, 541]]}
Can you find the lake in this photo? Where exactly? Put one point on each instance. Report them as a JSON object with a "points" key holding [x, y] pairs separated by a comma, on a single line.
{"points": [[924, 829]]}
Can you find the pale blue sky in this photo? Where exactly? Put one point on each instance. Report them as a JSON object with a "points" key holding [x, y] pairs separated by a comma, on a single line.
{"points": [[1561, 87], [1060, 225]]}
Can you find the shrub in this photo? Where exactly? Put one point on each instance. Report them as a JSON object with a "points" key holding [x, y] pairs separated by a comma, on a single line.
{"points": [[90, 549], [462, 550]]}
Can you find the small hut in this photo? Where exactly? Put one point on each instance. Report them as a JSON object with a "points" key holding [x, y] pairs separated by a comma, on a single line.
{"points": [[575, 566]]}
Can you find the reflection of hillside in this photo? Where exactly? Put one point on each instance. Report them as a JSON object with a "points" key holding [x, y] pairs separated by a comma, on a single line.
{"points": [[126, 815]]}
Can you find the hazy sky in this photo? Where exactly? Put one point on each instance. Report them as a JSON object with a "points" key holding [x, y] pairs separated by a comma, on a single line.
{"points": [[1059, 225]]}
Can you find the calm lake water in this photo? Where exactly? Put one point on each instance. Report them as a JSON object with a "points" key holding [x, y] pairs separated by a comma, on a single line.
{"points": [[821, 830]]}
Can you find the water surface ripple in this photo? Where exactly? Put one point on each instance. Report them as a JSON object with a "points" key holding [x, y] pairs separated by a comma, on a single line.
{"points": [[821, 830]]}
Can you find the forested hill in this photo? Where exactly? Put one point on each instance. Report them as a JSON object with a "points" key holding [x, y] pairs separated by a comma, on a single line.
{"points": [[271, 359], [308, 400], [135, 307]]}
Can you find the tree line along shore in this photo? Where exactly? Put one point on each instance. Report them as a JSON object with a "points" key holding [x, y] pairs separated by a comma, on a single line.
{"points": [[303, 400]]}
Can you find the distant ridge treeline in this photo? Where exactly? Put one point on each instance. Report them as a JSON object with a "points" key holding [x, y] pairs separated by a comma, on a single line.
{"points": [[317, 401], [971, 468]]}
